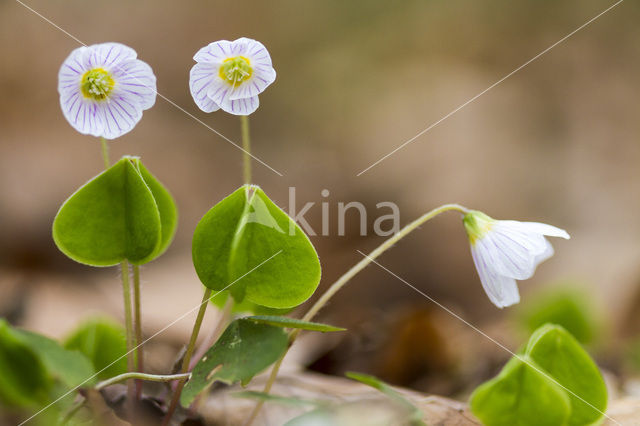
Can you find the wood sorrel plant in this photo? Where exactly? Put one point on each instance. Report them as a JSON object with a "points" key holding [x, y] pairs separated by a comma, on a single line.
{"points": [[243, 248]]}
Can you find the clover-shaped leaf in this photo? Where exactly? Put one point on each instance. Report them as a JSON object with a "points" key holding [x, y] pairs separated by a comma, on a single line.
{"points": [[124, 213], [244, 349], [555, 350], [553, 382], [246, 243]]}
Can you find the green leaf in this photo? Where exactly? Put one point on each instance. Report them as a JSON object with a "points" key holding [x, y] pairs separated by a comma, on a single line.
{"points": [[293, 323], [24, 381], [71, 367], [559, 353], [124, 213], [416, 414], [520, 396], [244, 349], [103, 342], [166, 208], [248, 243]]}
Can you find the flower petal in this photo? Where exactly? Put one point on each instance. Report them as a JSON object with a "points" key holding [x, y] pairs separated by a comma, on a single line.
{"points": [[81, 114], [119, 117], [71, 71], [255, 85], [202, 76], [544, 255], [135, 81], [544, 229], [506, 256], [108, 55], [501, 290], [214, 53], [244, 106]]}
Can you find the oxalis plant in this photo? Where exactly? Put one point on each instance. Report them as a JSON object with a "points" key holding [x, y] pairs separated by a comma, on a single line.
{"points": [[255, 264]]}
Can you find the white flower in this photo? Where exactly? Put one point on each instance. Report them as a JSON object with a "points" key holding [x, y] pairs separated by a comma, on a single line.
{"points": [[104, 89], [505, 251], [230, 75]]}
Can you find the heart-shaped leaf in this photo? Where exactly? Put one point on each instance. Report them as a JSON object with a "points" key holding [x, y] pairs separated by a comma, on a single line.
{"points": [[103, 342], [244, 349], [521, 396], [247, 243], [124, 213], [293, 323], [559, 353]]}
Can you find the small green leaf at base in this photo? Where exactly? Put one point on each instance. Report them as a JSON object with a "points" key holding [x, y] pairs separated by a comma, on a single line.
{"points": [[285, 322], [24, 381], [244, 349], [103, 342], [71, 367]]}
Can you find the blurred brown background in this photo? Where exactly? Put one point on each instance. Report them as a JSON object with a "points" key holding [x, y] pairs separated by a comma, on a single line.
{"points": [[557, 143]]}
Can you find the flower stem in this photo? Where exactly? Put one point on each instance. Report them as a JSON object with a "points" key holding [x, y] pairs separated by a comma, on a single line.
{"points": [[105, 152], [141, 376], [246, 146], [126, 291], [138, 327], [187, 356], [336, 286]]}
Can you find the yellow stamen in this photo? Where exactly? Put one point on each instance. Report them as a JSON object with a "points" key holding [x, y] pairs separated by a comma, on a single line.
{"points": [[96, 84], [236, 70]]}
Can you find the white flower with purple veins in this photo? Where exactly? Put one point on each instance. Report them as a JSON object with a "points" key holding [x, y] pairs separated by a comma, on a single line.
{"points": [[505, 251], [104, 88], [230, 75]]}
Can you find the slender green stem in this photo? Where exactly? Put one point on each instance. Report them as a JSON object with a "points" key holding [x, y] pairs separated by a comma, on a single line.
{"points": [[215, 333], [187, 356], [141, 376], [126, 291], [246, 146], [105, 152], [137, 316], [336, 286]]}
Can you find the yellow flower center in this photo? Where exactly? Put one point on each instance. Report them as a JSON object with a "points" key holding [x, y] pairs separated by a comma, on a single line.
{"points": [[96, 84], [477, 225], [236, 70]]}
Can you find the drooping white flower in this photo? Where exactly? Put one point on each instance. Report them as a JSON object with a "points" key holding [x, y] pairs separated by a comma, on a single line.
{"points": [[505, 251], [230, 75], [104, 88]]}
